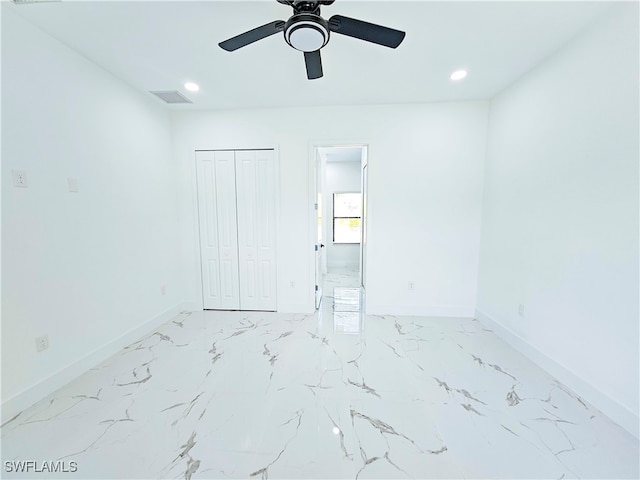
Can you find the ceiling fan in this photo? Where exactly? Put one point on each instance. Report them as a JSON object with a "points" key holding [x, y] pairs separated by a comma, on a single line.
{"points": [[308, 32]]}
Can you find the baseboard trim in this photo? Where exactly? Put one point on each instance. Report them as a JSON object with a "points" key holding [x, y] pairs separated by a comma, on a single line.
{"points": [[343, 265], [304, 308], [419, 311], [608, 406], [29, 396]]}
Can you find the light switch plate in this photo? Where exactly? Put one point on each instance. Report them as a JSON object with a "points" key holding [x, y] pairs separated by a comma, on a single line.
{"points": [[73, 184]]}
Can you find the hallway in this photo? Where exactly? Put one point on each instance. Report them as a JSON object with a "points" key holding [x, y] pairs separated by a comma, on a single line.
{"points": [[343, 301]]}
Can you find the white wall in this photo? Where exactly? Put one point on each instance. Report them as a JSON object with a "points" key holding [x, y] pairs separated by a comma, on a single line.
{"points": [[560, 215], [342, 177], [84, 268], [425, 186]]}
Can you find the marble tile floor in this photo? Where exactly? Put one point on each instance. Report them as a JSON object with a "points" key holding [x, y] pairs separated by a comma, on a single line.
{"points": [[268, 395]]}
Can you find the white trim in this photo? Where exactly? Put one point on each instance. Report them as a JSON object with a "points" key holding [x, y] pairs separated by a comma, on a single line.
{"points": [[313, 145], [343, 264], [302, 308], [193, 170], [447, 311], [607, 405], [29, 396]]}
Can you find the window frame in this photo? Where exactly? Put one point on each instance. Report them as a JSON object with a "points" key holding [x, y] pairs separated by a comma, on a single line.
{"points": [[334, 217]]}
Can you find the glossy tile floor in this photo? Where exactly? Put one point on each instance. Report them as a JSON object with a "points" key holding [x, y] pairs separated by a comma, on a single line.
{"points": [[330, 395]]}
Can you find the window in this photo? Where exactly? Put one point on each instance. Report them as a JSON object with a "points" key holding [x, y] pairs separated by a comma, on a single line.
{"points": [[347, 217]]}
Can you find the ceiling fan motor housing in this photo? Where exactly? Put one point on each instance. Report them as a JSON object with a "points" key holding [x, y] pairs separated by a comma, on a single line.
{"points": [[306, 32]]}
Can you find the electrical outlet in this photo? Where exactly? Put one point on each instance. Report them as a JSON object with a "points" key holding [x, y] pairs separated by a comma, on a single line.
{"points": [[42, 343], [292, 284], [521, 310], [20, 178], [411, 285], [163, 290]]}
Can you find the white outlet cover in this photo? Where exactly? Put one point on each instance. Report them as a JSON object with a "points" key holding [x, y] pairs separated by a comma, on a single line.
{"points": [[42, 343], [73, 184], [20, 178]]}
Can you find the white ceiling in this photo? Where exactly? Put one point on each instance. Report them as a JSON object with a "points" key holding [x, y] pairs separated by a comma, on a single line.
{"points": [[158, 45]]}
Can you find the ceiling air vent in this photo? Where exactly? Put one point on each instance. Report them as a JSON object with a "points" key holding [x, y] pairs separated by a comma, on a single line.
{"points": [[172, 96]]}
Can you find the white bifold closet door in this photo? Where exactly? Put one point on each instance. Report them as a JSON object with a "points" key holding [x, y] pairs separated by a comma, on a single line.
{"points": [[236, 203]]}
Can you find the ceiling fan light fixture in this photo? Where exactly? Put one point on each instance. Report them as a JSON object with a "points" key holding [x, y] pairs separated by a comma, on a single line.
{"points": [[306, 38], [306, 32]]}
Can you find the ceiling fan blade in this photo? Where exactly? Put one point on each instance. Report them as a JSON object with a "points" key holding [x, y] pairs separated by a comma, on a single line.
{"points": [[366, 31], [313, 61], [251, 36]]}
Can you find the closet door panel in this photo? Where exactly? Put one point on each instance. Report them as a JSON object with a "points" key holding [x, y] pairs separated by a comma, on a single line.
{"points": [[266, 227], [227, 229], [256, 232], [207, 212]]}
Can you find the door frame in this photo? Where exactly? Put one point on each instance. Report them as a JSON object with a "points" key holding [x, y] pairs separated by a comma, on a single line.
{"points": [[197, 276], [320, 255], [312, 167]]}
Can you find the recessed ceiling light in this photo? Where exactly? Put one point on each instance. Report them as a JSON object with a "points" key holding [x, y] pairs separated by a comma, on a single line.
{"points": [[458, 75], [192, 87]]}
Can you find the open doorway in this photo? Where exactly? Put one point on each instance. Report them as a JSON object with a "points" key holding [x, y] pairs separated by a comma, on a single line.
{"points": [[341, 207]]}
